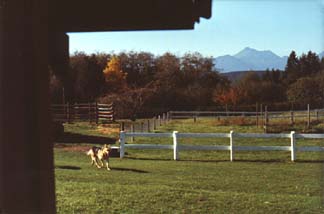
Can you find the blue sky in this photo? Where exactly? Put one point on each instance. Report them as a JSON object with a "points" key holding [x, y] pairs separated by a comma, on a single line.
{"points": [[277, 25]]}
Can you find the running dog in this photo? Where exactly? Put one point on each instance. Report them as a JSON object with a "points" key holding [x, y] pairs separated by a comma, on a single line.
{"points": [[98, 155]]}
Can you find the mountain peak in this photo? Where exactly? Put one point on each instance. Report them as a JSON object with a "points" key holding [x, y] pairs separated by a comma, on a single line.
{"points": [[248, 49], [252, 59]]}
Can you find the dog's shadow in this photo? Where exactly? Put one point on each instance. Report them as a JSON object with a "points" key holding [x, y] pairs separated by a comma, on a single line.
{"points": [[129, 170], [68, 167]]}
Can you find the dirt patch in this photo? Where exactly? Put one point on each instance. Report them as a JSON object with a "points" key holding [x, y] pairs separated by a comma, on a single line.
{"points": [[108, 130]]}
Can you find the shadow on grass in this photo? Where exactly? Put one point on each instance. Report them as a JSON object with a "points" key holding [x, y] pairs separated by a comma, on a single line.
{"points": [[68, 137], [279, 161], [150, 159], [309, 161], [181, 160], [226, 160], [128, 170], [68, 167]]}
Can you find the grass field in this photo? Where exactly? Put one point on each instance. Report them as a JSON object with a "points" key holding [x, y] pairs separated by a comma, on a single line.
{"points": [[149, 181]]}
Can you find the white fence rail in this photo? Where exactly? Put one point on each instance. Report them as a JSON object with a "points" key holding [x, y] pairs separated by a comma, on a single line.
{"points": [[176, 147]]}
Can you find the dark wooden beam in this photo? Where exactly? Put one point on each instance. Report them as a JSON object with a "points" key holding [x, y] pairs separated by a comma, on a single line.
{"points": [[26, 152], [110, 15]]}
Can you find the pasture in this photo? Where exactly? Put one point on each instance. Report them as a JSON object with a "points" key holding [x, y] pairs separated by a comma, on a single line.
{"points": [[149, 181]]}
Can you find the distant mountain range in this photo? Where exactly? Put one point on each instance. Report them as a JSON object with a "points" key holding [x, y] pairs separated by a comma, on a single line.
{"points": [[321, 55], [251, 59]]}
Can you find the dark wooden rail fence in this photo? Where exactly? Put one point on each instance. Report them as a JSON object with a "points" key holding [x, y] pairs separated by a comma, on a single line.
{"points": [[92, 112]]}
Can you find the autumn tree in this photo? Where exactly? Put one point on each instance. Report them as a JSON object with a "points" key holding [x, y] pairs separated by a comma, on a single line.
{"points": [[199, 78], [140, 67], [115, 78], [230, 96]]}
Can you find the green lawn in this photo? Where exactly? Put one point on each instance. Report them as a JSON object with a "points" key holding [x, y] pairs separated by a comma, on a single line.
{"points": [[149, 181]]}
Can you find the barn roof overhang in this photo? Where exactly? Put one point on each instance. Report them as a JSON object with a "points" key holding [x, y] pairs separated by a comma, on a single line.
{"points": [[112, 15]]}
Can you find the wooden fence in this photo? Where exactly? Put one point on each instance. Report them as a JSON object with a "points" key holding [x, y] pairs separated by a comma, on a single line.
{"points": [[92, 112], [144, 125], [176, 147], [261, 117]]}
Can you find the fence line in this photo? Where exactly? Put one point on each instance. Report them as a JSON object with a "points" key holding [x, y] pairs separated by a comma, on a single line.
{"points": [[231, 147], [270, 114], [261, 117], [92, 112], [145, 125]]}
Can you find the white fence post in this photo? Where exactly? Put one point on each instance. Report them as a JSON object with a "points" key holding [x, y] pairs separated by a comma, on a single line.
{"points": [[122, 140], [231, 146], [175, 145], [293, 143]]}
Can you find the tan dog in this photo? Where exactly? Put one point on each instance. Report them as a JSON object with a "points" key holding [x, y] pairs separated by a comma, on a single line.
{"points": [[98, 155]]}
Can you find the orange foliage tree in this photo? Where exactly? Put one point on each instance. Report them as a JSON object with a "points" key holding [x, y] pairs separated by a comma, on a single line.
{"points": [[227, 97], [114, 76]]}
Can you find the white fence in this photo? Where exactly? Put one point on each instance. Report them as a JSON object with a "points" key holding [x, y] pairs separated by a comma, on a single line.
{"points": [[176, 147]]}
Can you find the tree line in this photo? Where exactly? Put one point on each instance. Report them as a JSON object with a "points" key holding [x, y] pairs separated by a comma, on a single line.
{"points": [[142, 84], [299, 84]]}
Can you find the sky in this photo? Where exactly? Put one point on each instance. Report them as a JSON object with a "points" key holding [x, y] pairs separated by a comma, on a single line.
{"points": [[277, 25]]}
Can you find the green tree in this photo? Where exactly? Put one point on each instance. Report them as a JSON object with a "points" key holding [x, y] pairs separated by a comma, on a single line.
{"points": [[306, 90], [309, 64], [322, 64], [86, 77], [292, 69]]}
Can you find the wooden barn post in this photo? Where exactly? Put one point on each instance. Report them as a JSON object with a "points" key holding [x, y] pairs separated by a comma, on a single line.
{"points": [[26, 149]]}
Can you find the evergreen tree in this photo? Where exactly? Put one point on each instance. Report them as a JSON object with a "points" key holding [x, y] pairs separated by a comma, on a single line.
{"points": [[292, 70]]}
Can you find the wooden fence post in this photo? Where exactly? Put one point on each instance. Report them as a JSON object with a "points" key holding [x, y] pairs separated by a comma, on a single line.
{"points": [[75, 111], [175, 145], [293, 148], [68, 112], [122, 126], [257, 116], [142, 126], [122, 140], [231, 146], [154, 123], [308, 116], [148, 126], [316, 114], [97, 113], [292, 121], [113, 112], [266, 115], [132, 131], [261, 117], [89, 111]]}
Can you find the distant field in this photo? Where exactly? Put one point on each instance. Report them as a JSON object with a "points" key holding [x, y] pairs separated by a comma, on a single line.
{"points": [[149, 181]]}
